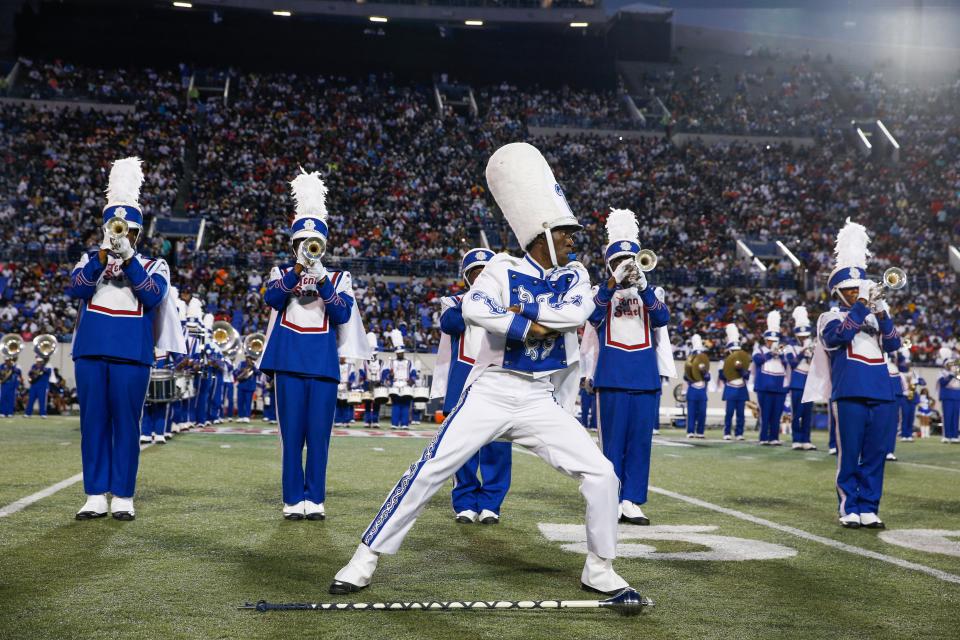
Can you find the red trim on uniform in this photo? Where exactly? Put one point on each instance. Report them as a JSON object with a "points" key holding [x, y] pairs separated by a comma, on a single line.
{"points": [[334, 280], [628, 347], [865, 359], [461, 356], [117, 312]]}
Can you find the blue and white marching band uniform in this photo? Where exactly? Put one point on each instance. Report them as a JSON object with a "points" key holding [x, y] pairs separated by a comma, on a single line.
{"points": [[626, 375], [850, 369], [696, 395], [799, 357], [370, 379], [735, 392], [311, 322], [344, 412], [911, 397], [10, 387], [519, 386], [124, 314], [400, 372], [155, 418], [474, 498], [229, 388], [39, 377], [948, 388], [246, 375], [770, 380]]}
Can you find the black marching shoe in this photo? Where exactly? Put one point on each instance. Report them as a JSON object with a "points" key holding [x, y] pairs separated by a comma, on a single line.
{"points": [[339, 588]]}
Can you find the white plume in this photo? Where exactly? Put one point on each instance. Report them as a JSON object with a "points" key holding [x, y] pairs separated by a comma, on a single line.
{"points": [[944, 355], [773, 321], [622, 225], [733, 333], [310, 194], [126, 178], [194, 308], [800, 317], [696, 342], [372, 340], [396, 338], [851, 249], [208, 321]]}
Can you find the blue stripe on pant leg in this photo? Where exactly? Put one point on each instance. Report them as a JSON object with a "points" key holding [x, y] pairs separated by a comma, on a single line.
{"points": [[403, 485]]}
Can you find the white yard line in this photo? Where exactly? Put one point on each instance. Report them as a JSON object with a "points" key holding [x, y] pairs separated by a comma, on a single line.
{"points": [[901, 463], [22, 503], [829, 542]]}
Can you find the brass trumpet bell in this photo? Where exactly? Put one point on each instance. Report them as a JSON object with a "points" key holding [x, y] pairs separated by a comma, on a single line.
{"points": [[226, 337], [895, 278], [44, 345], [11, 345], [117, 228], [646, 260], [253, 344], [313, 248]]}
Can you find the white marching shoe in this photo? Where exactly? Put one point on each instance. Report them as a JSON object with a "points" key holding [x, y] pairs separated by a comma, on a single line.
{"points": [[489, 517], [851, 521], [797, 445], [727, 437], [832, 451], [358, 572], [145, 439], [314, 510], [599, 577], [294, 511], [891, 457], [122, 508], [94, 507], [159, 438], [632, 513], [467, 516], [871, 521]]}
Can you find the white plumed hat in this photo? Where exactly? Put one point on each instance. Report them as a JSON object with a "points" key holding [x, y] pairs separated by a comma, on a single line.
{"points": [[623, 234], [773, 326], [194, 309], [310, 194], [696, 343], [801, 322], [372, 341], [396, 339], [527, 193], [851, 256], [123, 192], [733, 336]]}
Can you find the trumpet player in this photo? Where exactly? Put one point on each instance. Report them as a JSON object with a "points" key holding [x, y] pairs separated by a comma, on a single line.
{"points": [[246, 376], [39, 377], [799, 356], [626, 379], [908, 402], [312, 324], [697, 393], [124, 315], [770, 380], [857, 383], [10, 380], [735, 393], [948, 387]]}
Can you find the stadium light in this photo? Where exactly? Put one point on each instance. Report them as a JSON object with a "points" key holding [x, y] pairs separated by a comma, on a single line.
{"points": [[863, 137], [895, 144], [579, 25], [377, 19], [282, 14], [183, 5], [792, 258], [473, 23], [759, 264]]}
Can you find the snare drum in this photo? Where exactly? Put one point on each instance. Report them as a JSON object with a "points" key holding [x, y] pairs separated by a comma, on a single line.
{"points": [[406, 392], [354, 397], [420, 406], [162, 387], [421, 394], [381, 395], [342, 392], [366, 396], [395, 391]]}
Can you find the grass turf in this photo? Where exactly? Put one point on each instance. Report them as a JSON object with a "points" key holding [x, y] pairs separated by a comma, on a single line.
{"points": [[209, 536]]}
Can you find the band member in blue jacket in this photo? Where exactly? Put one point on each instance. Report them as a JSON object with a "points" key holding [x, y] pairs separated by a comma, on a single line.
{"points": [[799, 356], [246, 374], [310, 306], [11, 378], [121, 294], [697, 394], [948, 386], [626, 379], [911, 397], [39, 378], [769, 380], [855, 338], [735, 393]]}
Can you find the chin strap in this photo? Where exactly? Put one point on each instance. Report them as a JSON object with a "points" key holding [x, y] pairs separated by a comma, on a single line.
{"points": [[553, 252]]}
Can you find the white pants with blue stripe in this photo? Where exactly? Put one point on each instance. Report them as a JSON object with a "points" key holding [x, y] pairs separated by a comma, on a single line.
{"points": [[502, 405]]}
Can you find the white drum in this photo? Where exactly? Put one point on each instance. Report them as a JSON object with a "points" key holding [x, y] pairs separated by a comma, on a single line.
{"points": [[342, 392], [406, 392], [354, 397], [420, 406], [381, 395], [395, 391], [421, 394]]}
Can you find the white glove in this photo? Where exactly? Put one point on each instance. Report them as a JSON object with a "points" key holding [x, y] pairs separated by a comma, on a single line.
{"points": [[626, 271], [317, 269], [106, 245], [639, 281], [302, 258], [881, 306], [866, 290], [123, 248]]}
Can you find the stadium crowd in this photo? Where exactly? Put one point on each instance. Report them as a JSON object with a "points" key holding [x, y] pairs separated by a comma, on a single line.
{"points": [[407, 193]]}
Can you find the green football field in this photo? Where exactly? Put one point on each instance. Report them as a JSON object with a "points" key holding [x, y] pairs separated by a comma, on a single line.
{"points": [[744, 544]]}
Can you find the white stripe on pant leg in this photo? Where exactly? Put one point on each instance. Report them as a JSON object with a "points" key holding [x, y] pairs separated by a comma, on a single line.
{"points": [[836, 479]]}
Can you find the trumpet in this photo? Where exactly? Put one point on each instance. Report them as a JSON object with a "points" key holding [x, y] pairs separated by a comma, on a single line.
{"points": [[646, 260], [116, 228], [313, 248], [253, 344], [225, 337], [894, 279]]}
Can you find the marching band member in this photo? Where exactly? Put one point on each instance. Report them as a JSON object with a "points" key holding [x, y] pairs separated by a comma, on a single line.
{"points": [[268, 397], [12, 378], [311, 323], [770, 381], [661, 341], [418, 409], [908, 403], [948, 387], [626, 373], [218, 371], [246, 376], [124, 315], [400, 373], [229, 387], [735, 393], [153, 422], [530, 309], [854, 377], [39, 377], [370, 378], [588, 411], [344, 411], [473, 498], [898, 387], [697, 394], [798, 359]]}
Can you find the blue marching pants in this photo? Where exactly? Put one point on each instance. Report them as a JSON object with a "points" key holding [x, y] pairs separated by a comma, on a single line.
{"points": [[344, 413], [588, 412], [228, 399], [696, 412], [270, 404], [864, 430], [400, 413], [907, 411], [802, 419], [8, 398], [951, 418], [625, 426], [734, 407], [494, 462], [111, 396], [204, 393], [305, 409], [832, 426], [371, 413], [154, 420], [771, 410], [244, 403], [38, 393]]}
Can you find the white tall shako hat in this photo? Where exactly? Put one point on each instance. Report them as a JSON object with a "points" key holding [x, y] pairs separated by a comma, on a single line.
{"points": [[372, 341], [851, 257], [528, 194], [801, 322], [623, 235], [944, 355], [310, 195], [773, 326], [733, 336], [696, 344], [396, 339], [123, 192]]}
